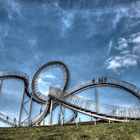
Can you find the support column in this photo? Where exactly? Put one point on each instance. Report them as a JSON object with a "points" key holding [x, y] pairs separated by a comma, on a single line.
{"points": [[25, 121], [59, 115], [63, 115], [30, 112], [51, 105], [97, 100], [21, 109], [95, 121], [1, 85]]}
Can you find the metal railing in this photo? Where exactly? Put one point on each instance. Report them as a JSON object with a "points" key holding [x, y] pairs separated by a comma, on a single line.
{"points": [[8, 120], [108, 81], [14, 73], [102, 109], [39, 117]]}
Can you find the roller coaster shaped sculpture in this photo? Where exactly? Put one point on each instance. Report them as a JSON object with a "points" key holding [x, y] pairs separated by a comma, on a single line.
{"points": [[69, 99]]}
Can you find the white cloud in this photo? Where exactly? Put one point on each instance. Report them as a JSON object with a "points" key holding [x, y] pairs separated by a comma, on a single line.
{"points": [[113, 64], [136, 40], [127, 62], [128, 54], [130, 11], [67, 21], [120, 13], [109, 47], [122, 44], [122, 40], [46, 92], [121, 61], [50, 76], [125, 52], [42, 82]]}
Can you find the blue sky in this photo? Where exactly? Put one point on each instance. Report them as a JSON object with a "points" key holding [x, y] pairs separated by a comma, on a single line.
{"points": [[93, 38]]}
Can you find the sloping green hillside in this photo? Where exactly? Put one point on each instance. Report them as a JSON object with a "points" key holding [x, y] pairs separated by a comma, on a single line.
{"points": [[122, 131]]}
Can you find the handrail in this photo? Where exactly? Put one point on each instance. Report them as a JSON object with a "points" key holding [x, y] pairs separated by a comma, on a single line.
{"points": [[8, 120], [103, 109], [105, 81]]}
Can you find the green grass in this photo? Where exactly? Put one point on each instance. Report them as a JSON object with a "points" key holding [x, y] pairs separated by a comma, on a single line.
{"points": [[116, 131]]}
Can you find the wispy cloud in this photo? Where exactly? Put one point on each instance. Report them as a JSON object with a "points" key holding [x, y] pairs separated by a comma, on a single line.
{"points": [[128, 53], [121, 61], [44, 79], [50, 76], [109, 47], [13, 7], [43, 82], [122, 44], [32, 43]]}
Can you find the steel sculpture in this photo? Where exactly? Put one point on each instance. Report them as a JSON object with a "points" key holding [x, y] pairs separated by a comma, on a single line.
{"points": [[68, 99]]}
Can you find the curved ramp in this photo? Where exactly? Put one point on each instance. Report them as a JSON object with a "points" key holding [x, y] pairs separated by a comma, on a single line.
{"points": [[106, 112], [8, 120], [114, 113], [105, 81]]}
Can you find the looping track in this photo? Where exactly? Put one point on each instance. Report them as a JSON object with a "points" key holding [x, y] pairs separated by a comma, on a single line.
{"points": [[42, 98], [69, 98]]}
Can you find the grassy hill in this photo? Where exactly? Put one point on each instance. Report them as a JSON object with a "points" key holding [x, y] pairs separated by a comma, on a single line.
{"points": [[116, 131]]}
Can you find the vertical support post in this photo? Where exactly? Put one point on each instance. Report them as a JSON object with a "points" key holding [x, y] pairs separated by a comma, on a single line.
{"points": [[59, 116], [91, 120], [1, 85], [95, 122], [97, 100], [79, 119], [51, 105], [30, 112], [44, 121], [74, 119], [63, 115], [24, 119], [21, 109]]}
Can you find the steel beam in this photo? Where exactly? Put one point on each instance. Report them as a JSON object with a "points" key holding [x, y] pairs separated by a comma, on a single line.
{"points": [[51, 105], [1, 81]]}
